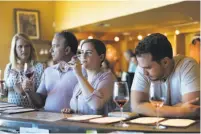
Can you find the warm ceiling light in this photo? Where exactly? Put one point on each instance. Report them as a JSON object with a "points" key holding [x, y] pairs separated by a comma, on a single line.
{"points": [[41, 52], [139, 37], [165, 34], [148, 34], [177, 32], [116, 38], [90, 37], [130, 38]]}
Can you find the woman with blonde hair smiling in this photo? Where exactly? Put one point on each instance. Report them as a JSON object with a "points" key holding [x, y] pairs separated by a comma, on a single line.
{"points": [[22, 52]]}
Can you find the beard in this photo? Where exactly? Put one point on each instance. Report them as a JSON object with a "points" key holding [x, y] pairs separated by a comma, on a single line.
{"points": [[162, 77], [153, 79]]}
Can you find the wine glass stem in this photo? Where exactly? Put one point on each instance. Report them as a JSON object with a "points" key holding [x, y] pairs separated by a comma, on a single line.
{"points": [[121, 109], [157, 114]]}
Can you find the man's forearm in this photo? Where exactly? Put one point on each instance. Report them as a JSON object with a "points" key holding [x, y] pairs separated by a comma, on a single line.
{"points": [[165, 111], [36, 99]]}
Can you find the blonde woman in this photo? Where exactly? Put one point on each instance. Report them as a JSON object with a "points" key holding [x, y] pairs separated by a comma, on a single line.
{"points": [[22, 51]]}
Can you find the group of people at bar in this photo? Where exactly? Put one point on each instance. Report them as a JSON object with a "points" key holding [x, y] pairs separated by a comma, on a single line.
{"points": [[78, 84]]}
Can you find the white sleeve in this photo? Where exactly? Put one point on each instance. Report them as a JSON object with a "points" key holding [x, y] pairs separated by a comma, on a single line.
{"points": [[190, 77], [140, 81]]}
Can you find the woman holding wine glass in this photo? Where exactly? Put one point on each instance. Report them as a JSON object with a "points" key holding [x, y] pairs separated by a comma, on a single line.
{"points": [[22, 59], [92, 94]]}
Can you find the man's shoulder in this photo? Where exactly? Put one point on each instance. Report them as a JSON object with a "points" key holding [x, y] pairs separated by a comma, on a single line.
{"points": [[184, 61], [51, 69]]}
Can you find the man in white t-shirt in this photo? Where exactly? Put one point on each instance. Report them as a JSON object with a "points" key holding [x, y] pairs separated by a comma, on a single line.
{"points": [[178, 79]]}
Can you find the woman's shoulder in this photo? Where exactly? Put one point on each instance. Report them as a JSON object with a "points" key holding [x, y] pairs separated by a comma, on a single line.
{"points": [[38, 64], [107, 75]]}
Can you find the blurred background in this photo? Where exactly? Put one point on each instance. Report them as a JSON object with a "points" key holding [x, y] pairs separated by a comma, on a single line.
{"points": [[119, 24]]}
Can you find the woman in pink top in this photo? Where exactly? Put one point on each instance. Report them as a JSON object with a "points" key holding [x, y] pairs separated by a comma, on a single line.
{"points": [[93, 94]]}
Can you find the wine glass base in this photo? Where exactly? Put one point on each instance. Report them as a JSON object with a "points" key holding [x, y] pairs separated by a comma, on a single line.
{"points": [[160, 127], [121, 124]]}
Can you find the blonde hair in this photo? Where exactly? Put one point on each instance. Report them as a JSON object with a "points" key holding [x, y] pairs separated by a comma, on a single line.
{"points": [[13, 53]]}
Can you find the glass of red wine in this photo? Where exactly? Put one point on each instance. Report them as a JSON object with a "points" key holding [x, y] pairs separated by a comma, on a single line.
{"points": [[157, 101], [28, 71], [121, 97]]}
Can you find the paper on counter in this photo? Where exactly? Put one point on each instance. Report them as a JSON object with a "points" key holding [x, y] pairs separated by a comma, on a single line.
{"points": [[106, 120], [146, 120], [12, 111], [7, 105], [83, 117], [41, 116], [177, 122], [8, 108]]}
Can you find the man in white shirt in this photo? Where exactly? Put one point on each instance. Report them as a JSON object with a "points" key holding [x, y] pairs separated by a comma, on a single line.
{"points": [[177, 78]]}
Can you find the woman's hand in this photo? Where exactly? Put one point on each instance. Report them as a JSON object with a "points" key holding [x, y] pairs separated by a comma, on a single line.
{"points": [[27, 84], [76, 65], [18, 88]]}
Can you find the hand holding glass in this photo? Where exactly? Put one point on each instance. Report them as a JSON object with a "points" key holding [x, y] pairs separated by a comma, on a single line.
{"points": [[28, 72]]}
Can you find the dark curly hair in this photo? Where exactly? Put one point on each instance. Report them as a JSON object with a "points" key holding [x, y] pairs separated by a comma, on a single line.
{"points": [[70, 40], [157, 45]]}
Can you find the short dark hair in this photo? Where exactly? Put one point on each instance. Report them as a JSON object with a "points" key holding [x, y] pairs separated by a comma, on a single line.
{"points": [[70, 40], [98, 45], [157, 45]]}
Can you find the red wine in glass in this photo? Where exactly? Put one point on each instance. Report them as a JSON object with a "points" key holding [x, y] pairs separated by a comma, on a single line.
{"points": [[29, 74], [121, 97], [120, 101]]}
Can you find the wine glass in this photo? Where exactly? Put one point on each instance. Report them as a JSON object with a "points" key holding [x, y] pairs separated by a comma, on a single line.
{"points": [[28, 71], [121, 97], [74, 58], [157, 101]]}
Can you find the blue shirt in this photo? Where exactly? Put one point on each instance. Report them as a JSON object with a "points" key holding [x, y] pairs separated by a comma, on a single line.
{"points": [[58, 87], [11, 76], [132, 67]]}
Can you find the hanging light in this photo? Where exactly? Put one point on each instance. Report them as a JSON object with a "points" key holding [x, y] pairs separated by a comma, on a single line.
{"points": [[165, 34], [177, 32], [41, 52], [139, 37], [116, 38], [90, 37]]}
